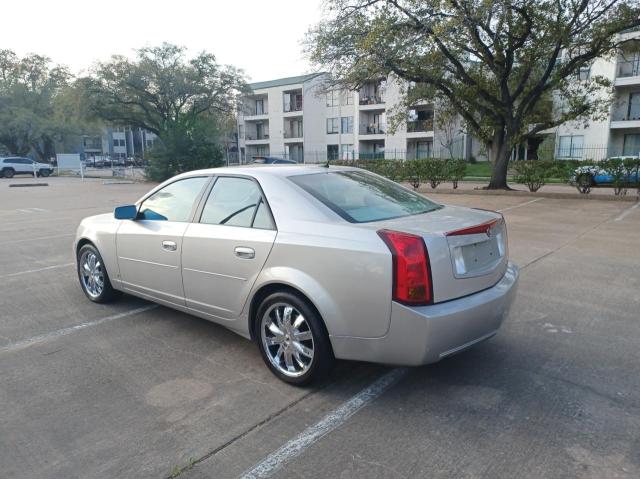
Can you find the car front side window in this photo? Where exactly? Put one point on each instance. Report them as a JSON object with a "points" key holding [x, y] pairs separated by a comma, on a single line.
{"points": [[174, 202]]}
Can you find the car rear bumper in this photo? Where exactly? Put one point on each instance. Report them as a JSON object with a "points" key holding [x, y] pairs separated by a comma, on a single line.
{"points": [[426, 334]]}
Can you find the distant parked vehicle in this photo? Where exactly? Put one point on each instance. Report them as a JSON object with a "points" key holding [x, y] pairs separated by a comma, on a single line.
{"points": [[272, 160], [16, 165], [595, 176]]}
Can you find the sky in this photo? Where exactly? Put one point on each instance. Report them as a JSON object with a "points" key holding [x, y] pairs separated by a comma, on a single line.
{"points": [[261, 37]]}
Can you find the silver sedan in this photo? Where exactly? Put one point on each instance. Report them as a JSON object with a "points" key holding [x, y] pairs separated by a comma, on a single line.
{"points": [[312, 263]]}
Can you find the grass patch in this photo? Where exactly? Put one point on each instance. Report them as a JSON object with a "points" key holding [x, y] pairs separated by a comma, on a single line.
{"points": [[479, 170]]}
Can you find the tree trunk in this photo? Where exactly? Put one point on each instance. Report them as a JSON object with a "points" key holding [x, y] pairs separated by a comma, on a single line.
{"points": [[500, 154]]}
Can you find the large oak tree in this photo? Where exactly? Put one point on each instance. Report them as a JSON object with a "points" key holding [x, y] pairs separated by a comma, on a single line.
{"points": [[500, 64]]}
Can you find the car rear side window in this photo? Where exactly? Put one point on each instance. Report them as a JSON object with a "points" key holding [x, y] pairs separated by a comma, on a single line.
{"points": [[236, 202], [361, 197], [174, 202]]}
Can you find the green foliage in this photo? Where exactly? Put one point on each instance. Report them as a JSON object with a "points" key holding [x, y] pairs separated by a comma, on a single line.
{"points": [[621, 171], [38, 105], [435, 170], [526, 55], [185, 101], [185, 147], [456, 170], [533, 173]]}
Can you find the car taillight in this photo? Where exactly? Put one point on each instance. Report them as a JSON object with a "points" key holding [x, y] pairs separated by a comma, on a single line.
{"points": [[411, 272]]}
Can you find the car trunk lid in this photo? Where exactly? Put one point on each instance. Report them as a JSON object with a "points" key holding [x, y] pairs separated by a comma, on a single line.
{"points": [[467, 248]]}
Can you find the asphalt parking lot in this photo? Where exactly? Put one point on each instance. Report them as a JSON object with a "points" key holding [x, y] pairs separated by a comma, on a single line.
{"points": [[132, 390]]}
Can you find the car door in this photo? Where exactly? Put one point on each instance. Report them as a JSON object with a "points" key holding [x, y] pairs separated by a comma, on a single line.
{"points": [[150, 246], [225, 250]]}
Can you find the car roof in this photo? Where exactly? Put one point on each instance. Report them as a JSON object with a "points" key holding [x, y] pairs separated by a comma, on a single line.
{"points": [[263, 170]]}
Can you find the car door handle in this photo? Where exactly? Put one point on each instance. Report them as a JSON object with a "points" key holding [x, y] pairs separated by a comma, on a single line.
{"points": [[169, 245], [244, 252]]}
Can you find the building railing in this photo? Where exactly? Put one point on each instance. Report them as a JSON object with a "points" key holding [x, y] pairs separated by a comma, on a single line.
{"points": [[373, 129], [630, 68], [634, 116], [251, 136], [248, 111], [370, 99], [419, 125], [292, 134], [297, 106]]}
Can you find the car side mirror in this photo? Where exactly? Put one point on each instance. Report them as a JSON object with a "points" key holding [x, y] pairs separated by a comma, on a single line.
{"points": [[128, 212]]}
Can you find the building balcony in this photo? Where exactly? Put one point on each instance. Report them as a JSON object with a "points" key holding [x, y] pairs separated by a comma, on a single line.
{"points": [[371, 102], [292, 136], [293, 109], [417, 126], [252, 139], [373, 131], [628, 73], [620, 123], [254, 114]]}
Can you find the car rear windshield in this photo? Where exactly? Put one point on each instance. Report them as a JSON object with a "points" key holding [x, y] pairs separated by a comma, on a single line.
{"points": [[360, 197]]}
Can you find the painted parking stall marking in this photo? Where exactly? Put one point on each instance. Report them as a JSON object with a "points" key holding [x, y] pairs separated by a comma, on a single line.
{"points": [[331, 421], [23, 343]]}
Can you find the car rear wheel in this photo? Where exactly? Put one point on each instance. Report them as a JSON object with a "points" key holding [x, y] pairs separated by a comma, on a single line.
{"points": [[584, 182], [292, 339], [93, 276], [8, 172]]}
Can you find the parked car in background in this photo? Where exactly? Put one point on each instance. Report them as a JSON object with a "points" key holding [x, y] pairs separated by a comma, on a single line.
{"points": [[593, 175], [312, 263], [17, 165], [272, 160]]}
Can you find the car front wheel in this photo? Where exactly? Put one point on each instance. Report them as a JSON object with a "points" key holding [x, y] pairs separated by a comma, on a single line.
{"points": [[93, 276], [292, 339], [44, 173]]}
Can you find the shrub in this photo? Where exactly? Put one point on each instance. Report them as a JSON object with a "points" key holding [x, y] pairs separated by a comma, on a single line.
{"points": [[434, 170], [533, 173], [615, 168], [456, 169], [413, 172]]}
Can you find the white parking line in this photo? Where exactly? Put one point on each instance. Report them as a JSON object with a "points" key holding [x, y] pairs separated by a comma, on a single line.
{"points": [[521, 204], [37, 238], [627, 212], [327, 424], [37, 270], [23, 343]]}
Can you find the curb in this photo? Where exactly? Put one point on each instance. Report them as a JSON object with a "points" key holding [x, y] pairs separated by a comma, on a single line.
{"points": [[26, 185], [528, 194]]}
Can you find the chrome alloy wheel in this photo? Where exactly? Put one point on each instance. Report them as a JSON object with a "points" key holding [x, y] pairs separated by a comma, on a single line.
{"points": [[287, 339], [92, 274]]}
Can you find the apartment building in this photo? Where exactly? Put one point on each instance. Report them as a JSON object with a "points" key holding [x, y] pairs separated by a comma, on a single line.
{"points": [[619, 133], [302, 119], [116, 143]]}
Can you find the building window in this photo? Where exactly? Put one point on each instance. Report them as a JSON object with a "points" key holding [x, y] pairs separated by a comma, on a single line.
{"points": [[347, 124], [570, 146], [346, 152], [333, 98], [332, 126], [346, 97], [631, 145], [332, 152], [260, 107], [423, 149], [583, 73]]}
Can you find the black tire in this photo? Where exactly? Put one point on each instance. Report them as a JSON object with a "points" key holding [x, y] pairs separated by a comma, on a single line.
{"points": [[584, 182], [8, 172], [44, 173], [323, 359], [107, 293]]}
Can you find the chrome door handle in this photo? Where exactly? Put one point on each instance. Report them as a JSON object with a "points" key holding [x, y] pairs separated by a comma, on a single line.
{"points": [[244, 252], [169, 245]]}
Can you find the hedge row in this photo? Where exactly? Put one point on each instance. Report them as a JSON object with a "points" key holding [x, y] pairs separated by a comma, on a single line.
{"points": [[624, 172], [415, 172]]}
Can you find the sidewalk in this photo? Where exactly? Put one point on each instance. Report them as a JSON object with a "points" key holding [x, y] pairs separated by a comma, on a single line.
{"points": [[551, 191]]}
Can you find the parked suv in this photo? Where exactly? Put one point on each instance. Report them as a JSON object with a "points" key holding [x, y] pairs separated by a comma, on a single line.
{"points": [[23, 166]]}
